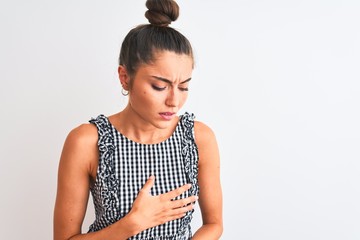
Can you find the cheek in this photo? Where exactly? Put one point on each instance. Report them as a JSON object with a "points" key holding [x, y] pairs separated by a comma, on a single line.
{"points": [[145, 99], [183, 99]]}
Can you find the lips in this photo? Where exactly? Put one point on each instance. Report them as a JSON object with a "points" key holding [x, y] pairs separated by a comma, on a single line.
{"points": [[167, 115]]}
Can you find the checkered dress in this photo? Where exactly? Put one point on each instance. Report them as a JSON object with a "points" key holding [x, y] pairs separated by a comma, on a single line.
{"points": [[125, 165]]}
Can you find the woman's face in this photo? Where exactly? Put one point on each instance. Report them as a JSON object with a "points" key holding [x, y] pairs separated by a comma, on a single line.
{"points": [[159, 90]]}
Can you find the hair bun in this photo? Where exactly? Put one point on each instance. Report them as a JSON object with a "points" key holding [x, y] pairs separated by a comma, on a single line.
{"points": [[161, 12]]}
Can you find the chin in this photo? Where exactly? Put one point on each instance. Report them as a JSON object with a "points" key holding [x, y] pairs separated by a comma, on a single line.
{"points": [[162, 125]]}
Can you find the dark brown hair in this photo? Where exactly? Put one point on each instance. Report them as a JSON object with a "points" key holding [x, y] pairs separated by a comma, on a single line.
{"points": [[142, 42]]}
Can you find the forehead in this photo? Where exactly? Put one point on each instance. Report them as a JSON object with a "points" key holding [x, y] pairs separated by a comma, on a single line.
{"points": [[169, 65], [160, 56]]}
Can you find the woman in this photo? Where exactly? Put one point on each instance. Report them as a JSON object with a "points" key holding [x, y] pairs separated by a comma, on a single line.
{"points": [[145, 166]]}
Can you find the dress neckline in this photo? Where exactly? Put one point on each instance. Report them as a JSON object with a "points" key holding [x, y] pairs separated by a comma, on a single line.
{"points": [[113, 128]]}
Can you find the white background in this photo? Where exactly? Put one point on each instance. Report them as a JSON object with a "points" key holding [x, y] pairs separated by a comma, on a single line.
{"points": [[278, 81]]}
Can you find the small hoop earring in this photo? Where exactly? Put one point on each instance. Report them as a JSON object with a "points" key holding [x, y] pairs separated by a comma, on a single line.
{"points": [[124, 92]]}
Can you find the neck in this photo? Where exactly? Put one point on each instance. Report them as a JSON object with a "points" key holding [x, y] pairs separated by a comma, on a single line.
{"points": [[134, 127]]}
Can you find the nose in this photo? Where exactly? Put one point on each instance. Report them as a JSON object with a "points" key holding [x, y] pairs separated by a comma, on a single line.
{"points": [[173, 98]]}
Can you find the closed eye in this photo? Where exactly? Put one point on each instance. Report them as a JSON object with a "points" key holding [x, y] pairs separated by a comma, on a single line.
{"points": [[158, 88], [184, 89]]}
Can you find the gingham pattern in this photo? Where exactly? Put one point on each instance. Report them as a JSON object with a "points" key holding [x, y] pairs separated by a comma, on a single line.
{"points": [[125, 165]]}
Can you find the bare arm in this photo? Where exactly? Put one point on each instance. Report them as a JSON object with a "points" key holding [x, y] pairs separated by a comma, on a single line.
{"points": [[210, 197], [78, 165]]}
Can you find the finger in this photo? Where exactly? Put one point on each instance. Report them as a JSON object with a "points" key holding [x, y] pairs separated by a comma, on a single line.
{"points": [[176, 192], [183, 202], [182, 210], [149, 184], [178, 213]]}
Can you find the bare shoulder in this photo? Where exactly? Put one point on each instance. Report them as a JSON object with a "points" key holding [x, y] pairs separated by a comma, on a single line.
{"points": [[206, 143], [203, 133], [85, 134], [80, 147]]}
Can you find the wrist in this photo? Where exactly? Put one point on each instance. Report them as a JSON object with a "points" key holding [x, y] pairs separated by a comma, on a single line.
{"points": [[131, 221]]}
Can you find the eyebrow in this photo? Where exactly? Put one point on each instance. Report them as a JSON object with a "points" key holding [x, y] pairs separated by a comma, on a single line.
{"points": [[168, 81]]}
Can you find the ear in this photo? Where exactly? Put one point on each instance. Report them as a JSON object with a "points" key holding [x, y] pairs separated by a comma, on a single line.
{"points": [[124, 77]]}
